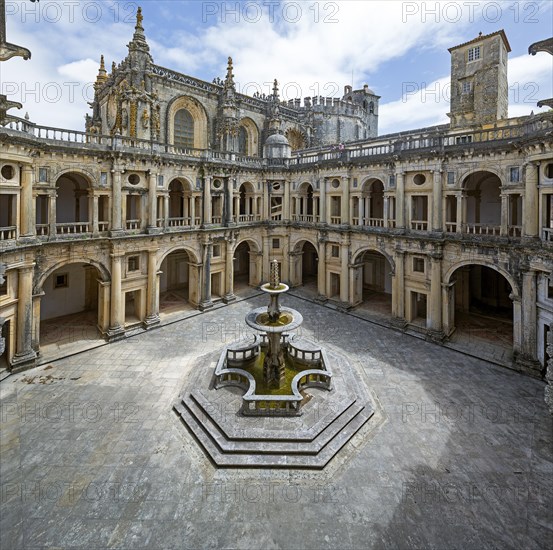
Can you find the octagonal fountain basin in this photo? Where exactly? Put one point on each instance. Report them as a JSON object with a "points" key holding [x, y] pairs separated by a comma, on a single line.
{"points": [[241, 365]]}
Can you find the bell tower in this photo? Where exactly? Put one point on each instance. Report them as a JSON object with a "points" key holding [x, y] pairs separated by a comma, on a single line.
{"points": [[479, 87]]}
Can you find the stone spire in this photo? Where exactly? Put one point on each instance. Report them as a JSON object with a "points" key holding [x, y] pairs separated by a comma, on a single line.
{"points": [[275, 90], [229, 80], [102, 74], [138, 42]]}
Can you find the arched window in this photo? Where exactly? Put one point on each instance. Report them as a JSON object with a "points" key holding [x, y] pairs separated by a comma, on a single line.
{"points": [[243, 140], [184, 129]]}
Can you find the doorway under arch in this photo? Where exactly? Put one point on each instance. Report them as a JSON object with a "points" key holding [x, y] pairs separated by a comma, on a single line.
{"points": [[376, 284], [70, 309], [482, 307], [174, 284]]}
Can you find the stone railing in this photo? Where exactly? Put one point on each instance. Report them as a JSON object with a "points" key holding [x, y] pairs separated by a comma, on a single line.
{"points": [[8, 233], [547, 234], [481, 229], [419, 225], [74, 228]]}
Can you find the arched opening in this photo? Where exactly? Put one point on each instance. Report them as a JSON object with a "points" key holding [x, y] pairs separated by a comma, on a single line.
{"points": [[184, 129], [70, 311], [180, 204], [371, 206], [482, 192], [376, 284], [309, 265], [242, 271], [174, 284], [243, 140], [72, 204], [483, 309], [246, 204], [305, 207]]}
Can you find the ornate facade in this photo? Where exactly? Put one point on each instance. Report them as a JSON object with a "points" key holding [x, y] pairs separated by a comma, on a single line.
{"points": [[187, 186]]}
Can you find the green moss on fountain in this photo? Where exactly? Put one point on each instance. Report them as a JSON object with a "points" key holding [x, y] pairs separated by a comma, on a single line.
{"points": [[255, 368], [283, 320]]}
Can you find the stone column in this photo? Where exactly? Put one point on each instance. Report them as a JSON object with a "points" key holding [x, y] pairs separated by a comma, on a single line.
{"points": [[448, 308], [152, 293], [28, 227], [35, 343], [386, 212], [192, 210], [266, 257], [437, 201], [166, 211], [460, 215], [206, 302], [531, 201], [116, 203], [52, 215], [228, 202], [435, 321], [152, 203], [286, 211], [400, 200], [529, 347], [117, 321], [321, 271], [207, 201], [322, 201], [25, 356], [398, 289], [229, 271], [504, 230], [345, 211], [93, 201], [266, 199], [361, 210], [344, 269]]}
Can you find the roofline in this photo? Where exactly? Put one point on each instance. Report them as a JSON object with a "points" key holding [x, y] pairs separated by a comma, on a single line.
{"points": [[480, 37]]}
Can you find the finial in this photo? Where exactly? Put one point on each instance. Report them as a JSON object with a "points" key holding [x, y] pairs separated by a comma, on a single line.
{"points": [[113, 67], [27, 115], [102, 74], [139, 18], [274, 276], [229, 80], [275, 88], [480, 33]]}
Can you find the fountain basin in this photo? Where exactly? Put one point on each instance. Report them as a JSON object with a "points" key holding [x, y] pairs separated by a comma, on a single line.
{"points": [[258, 319]]}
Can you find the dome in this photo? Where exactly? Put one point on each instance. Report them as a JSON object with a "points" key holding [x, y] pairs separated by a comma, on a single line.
{"points": [[277, 139]]}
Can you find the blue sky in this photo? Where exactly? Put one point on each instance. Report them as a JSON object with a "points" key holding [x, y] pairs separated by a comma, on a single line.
{"points": [[398, 48]]}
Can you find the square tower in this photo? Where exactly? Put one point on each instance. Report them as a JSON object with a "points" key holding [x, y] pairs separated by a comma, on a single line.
{"points": [[479, 87]]}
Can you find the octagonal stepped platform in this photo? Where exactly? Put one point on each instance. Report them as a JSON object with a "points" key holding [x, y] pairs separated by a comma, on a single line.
{"points": [[329, 420]]}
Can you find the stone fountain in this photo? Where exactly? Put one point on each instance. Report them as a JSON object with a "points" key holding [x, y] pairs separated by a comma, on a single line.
{"points": [[272, 369]]}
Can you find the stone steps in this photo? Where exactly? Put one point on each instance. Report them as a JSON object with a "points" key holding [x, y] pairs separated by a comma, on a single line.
{"points": [[276, 458], [291, 445], [273, 454]]}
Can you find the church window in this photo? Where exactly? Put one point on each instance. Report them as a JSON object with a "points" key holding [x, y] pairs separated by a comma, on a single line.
{"points": [[243, 140], [184, 129]]}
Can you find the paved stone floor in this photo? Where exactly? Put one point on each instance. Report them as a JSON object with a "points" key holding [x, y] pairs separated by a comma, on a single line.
{"points": [[93, 456]]}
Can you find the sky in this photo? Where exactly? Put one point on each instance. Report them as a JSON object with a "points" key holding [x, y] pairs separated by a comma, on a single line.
{"points": [[313, 47]]}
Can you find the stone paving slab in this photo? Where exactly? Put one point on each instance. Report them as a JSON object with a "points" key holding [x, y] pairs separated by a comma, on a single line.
{"points": [[95, 458]]}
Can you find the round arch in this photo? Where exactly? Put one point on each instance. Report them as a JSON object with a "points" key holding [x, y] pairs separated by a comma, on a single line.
{"points": [[85, 174], [199, 115], [491, 170], [501, 271], [367, 182], [256, 247], [175, 248], [357, 256], [184, 181], [104, 272], [297, 248]]}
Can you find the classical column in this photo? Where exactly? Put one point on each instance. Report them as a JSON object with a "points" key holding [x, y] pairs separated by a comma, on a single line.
{"points": [[321, 271], [165, 210], [400, 200], [345, 212], [206, 302], [25, 355], [266, 199], [52, 197], [437, 201], [460, 214], [529, 315], [266, 257], [116, 204], [398, 288], [207, 201], [192, 211], [386, 209], [117, 322], [93, 217], [28, 227], [35, 343], [152, 297], [531, 201], [228, 202], [344, 271], [152, 203], [286, 212], [504, 230], [322, 200], [436, 324], [229, 271], [361, 202]]}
